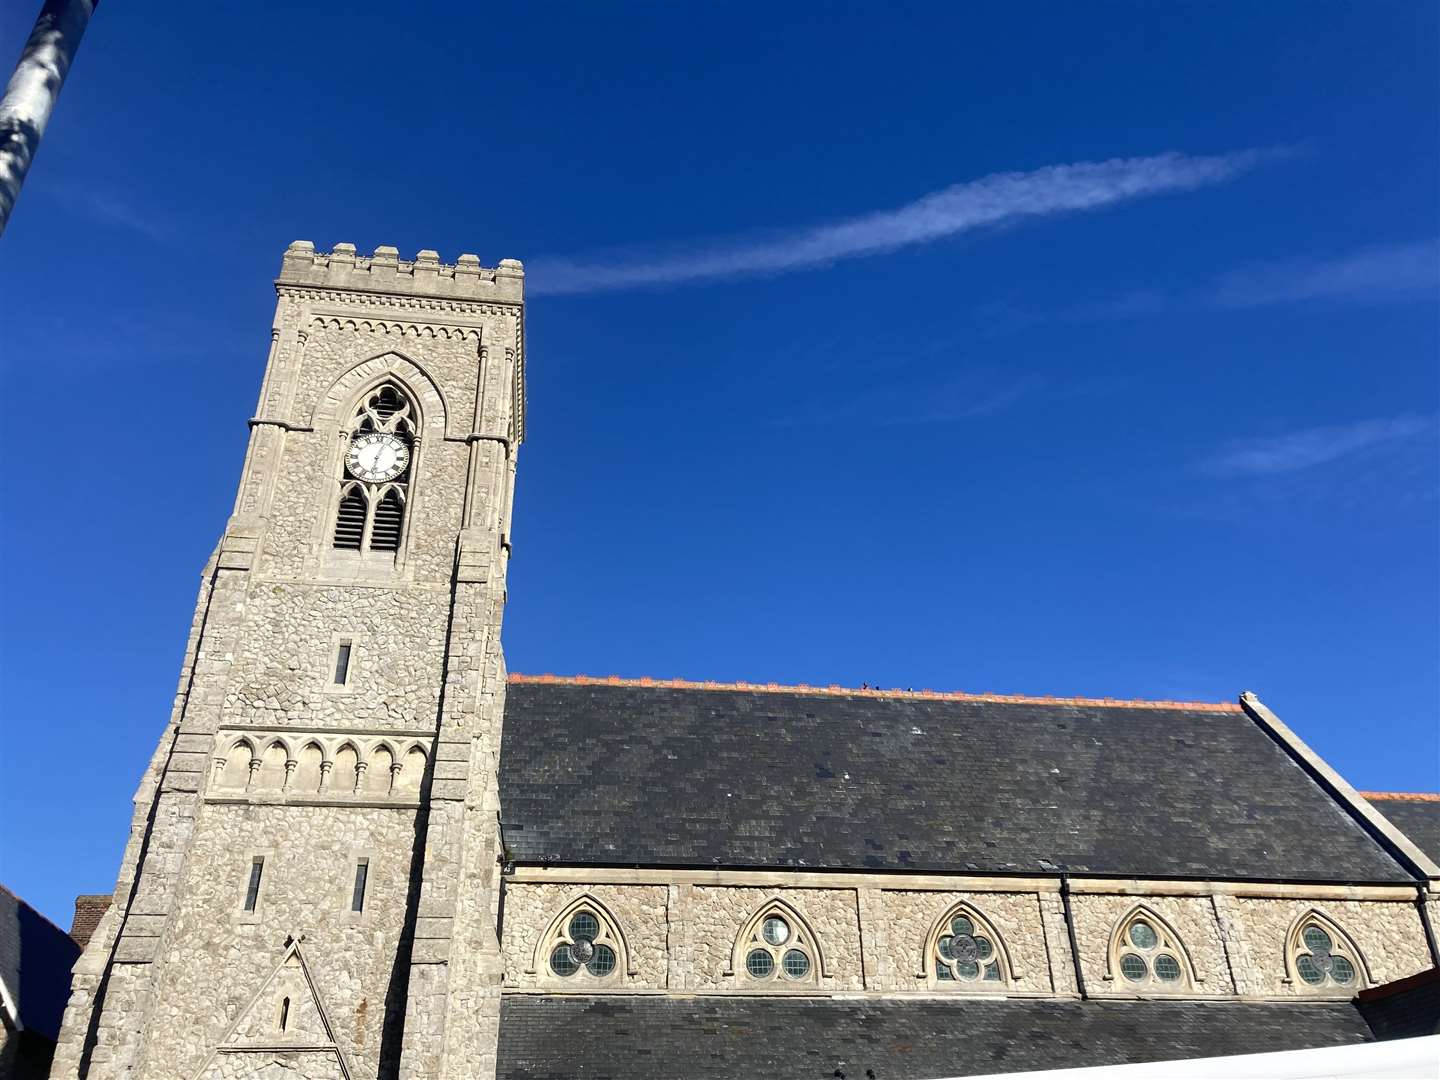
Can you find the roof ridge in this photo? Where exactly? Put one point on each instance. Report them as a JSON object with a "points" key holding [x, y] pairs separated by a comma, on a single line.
{"points": [[1403, 796], [838, 691]]}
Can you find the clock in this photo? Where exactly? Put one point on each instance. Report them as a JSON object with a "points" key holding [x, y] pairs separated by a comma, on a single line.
{"points": [[377, 457]]}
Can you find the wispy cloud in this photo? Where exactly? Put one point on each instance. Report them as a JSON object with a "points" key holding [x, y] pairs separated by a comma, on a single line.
{"points": [[1296, 450], [109, 208], [1380, 274], [1373, 274], [959, 395], [998, 199]]}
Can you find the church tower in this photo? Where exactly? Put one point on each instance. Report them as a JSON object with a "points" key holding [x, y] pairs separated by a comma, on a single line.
{"points": [[309, 887]]}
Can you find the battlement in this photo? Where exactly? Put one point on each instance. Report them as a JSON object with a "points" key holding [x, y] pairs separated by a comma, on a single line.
{"points": [[386, 272]]}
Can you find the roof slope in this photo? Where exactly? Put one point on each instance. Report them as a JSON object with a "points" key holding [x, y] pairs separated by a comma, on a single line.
{"points": [[35, 961], [1416, 815], [639, 1038], [606, 773]]}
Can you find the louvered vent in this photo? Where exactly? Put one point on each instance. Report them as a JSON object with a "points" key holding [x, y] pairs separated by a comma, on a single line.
{"points": [[386, 403], [389, 514], [350, 520]]}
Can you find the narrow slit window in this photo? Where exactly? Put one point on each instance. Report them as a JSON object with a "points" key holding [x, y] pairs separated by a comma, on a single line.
{"points": [[252, 890], [284, 1014], [342, 663], [362, 875]]}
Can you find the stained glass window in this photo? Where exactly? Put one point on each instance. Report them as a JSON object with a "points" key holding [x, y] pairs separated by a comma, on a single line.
{"points": [[965, 951]]}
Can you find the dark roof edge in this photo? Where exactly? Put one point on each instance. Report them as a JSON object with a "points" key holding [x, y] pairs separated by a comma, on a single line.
{"points": [[911, 872], [1395, 843], [1400, 986]]}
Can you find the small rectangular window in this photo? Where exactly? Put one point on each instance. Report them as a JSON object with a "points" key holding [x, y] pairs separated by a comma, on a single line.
{"points": [[362, 874], [342, 664], [252, 891]]}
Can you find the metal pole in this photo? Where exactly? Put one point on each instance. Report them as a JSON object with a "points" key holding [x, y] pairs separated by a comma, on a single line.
{"points": [[30, 96]]}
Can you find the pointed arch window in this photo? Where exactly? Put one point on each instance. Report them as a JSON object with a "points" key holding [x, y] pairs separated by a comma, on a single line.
{"points": [[965, 951], [373, 504], [1147, 955], [584, 946], [1321, 956], [777, 949]]}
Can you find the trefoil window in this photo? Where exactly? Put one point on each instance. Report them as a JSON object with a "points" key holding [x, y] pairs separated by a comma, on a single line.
{"points": [[1322, 956], [584, 944], [1147, 955], [777, 948]]}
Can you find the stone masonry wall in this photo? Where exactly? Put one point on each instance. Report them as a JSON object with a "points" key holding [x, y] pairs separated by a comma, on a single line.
{"points": [[909, 917], [309, 461], [640, 911], [682, 936], [717, 915], [219, 956], [1192, 918], [284, 667], [1389, 936]]}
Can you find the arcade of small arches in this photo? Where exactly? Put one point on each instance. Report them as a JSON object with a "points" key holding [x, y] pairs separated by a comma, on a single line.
{"points": [[319, 765]]}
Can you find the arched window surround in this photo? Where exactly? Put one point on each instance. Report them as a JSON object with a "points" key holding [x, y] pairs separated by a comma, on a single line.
{"points": [[334, 413], [983, 926], [1168, 943], [1342, 944], [802, 936], [610, 933], [354, 421]]}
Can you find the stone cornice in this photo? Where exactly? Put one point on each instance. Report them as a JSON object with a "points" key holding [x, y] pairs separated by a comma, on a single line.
{"points": [[930, 882]]}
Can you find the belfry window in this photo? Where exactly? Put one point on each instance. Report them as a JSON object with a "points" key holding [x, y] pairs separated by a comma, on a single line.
{"points": [[375, 486]]}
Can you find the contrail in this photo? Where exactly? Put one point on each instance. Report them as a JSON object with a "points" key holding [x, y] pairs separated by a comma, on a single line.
{"points": [[998, 199]]}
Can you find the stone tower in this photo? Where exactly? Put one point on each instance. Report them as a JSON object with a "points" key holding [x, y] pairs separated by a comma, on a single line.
{"points": [[309, 887]]}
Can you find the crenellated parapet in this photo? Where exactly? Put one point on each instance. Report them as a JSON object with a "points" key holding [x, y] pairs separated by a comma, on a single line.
{"points": [[386, 272]]}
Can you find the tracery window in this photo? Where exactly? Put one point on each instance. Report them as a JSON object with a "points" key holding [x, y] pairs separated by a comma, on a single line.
{"points": [[375, 485], [777, 948], [584, 945], [965, 949], [1146, 954], [1322, 956]]}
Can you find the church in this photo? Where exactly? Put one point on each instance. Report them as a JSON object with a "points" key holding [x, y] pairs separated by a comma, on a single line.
{"points": [[363, 849]]}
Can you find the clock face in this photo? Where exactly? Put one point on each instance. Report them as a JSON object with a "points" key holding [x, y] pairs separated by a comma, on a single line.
{"points": [[377, 457]]}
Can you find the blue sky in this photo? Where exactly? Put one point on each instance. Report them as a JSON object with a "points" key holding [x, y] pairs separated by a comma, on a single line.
{"points": [[1071, 349]]}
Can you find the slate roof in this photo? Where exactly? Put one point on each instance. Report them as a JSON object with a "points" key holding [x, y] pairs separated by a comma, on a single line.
{"points": [[595, 772], [1417, 816], [1403, 1009], [640, 1038], [35, 961]]}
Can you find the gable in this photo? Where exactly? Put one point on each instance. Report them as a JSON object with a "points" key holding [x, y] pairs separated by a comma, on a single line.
{"points": [[283, 1031]]}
